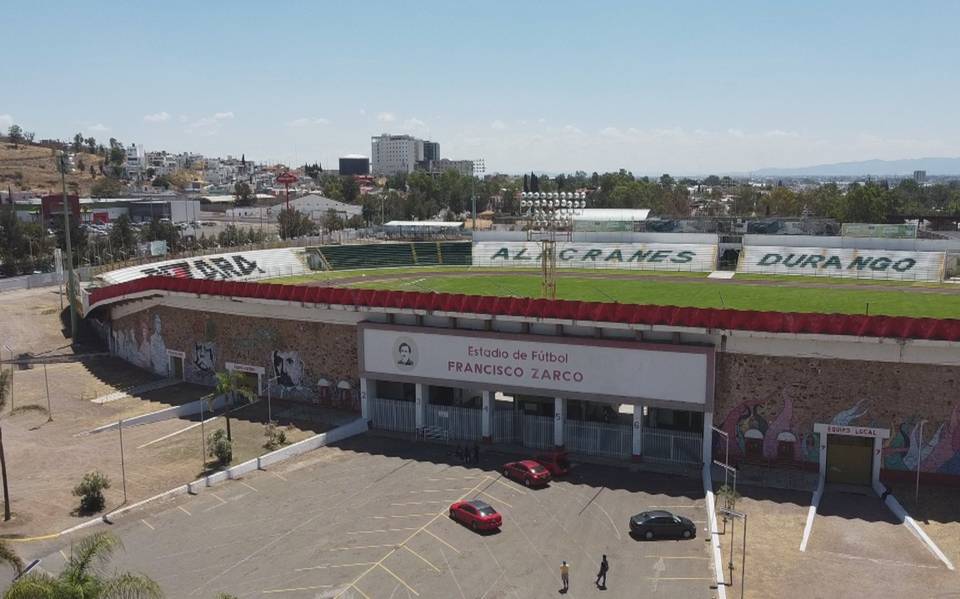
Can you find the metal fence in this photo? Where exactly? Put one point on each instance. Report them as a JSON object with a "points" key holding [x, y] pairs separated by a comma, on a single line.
{"points": [[393, 415], [536, 431], [461, 424], [672, 446], [503, 429], [595, 438]]}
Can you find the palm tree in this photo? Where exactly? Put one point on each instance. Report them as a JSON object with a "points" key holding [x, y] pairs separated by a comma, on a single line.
{"points": [[84, 577], [232, 385], [10, 557]]}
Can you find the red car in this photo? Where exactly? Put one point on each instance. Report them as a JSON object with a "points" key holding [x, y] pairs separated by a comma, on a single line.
{"points": [[476, 514], [528, 472], [556, 462]]}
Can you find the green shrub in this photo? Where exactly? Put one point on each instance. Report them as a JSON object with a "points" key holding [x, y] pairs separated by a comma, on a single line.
{"points": [[90, 491], [220, 447], [276, 437]]}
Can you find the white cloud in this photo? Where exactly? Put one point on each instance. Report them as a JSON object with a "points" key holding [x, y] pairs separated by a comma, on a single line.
{"points": [[308, 122], [98, 128], [386, 117], [157, 117], [498, 125], [735, 132], [5, 120], [572, 129], [208, 125], [414, 123]]}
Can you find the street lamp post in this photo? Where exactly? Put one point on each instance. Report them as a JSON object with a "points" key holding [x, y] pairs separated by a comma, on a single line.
{"points": [[547, 214], [478, 169]]}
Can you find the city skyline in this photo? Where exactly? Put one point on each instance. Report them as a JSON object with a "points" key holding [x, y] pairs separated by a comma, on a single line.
{"points": [[687, 90]]}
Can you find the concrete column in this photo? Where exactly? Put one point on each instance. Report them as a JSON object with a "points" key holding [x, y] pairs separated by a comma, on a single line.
{"points": [[423, 396], [708, 438], [877, 459], [486, 417], [559, 420], [365, 398], [637, 452]]}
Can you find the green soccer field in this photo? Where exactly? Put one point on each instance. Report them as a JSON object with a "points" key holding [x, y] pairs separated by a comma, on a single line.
{"points": [[782, 294]]}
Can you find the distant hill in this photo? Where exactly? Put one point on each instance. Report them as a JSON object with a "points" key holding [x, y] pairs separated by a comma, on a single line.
{"points": [[882, 168], [28, 166]]}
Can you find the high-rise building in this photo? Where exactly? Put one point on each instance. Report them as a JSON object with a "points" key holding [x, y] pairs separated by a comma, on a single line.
{"points": [[431, 151], [392, 154], [920, 176], [354, 164]]}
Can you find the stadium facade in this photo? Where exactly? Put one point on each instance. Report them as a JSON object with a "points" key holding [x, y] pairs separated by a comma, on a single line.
{"points": [[857, 398]]}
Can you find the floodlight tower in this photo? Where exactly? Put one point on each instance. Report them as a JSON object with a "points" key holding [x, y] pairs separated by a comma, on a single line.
{"points": [[549, 214]]}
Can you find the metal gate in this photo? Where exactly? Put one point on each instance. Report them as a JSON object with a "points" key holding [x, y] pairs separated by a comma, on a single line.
{"points": [[536, 431], [462, 424], [676, 447], [393, 415], [595, 438]]}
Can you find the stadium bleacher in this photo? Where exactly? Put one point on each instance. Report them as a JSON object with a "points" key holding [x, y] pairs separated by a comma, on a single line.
{"points": [[388, 255]]}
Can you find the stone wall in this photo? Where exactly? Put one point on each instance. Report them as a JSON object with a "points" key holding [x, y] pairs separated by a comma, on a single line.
{"points": [[299, 354], [773, 399]]}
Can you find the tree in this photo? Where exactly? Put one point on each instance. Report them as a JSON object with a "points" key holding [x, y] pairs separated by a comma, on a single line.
{"points": [[90, 491], [91, 145], [15, 133], [108, 187], [10, 557], [244, 195], [83, 576], [122, 236], [220, 447], [293, 223], [350, 189], [78, 143], [332, 221], [231, 385]]}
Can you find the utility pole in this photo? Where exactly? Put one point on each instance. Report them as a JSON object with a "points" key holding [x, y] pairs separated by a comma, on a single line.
{"points": [[71, 292]]}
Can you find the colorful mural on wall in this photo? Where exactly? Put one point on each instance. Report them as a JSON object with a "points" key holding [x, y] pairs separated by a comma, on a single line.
{"points": [[146, 350], [773, 422]]}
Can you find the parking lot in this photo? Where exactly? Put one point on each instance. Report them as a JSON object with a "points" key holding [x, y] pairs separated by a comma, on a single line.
{"points": [[368, 518]]}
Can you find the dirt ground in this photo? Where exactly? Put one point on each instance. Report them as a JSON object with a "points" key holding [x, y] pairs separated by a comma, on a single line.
{"points": [[855, 550], [46, 458], [938, 512]]}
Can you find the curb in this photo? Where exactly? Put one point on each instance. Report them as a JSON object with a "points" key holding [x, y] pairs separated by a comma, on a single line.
{"points": [[259, 463], [891, 502], [714, 532], [812, 513]]}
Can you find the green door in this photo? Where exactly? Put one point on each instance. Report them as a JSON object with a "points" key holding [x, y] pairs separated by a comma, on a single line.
{"points": [[849, 459]]}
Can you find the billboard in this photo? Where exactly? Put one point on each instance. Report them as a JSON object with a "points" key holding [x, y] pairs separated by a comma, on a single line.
{"points": [[567, 368], [842, 262], [902, 231], [631, 256], [236, 266]]}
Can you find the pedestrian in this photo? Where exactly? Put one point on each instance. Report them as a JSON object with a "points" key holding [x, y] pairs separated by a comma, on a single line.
{"points": [[602, 575], [476, 454], [565, 576]]}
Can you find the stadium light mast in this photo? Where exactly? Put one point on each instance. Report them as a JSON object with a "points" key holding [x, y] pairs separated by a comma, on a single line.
{"points": [[547, 214]]}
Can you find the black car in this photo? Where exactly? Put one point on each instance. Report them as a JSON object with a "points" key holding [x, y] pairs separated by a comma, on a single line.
{"points": [[660, 524]]}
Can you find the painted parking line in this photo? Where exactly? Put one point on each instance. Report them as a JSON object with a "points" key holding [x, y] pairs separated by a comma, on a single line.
{"points": [[147, 524], [370, 532], [453, 490], [400, 580], [327, 566], [495, 498], [441, 540], [428, 514], [357, 589], [423, 559], [277, 475], [248, 486], [184, 510], [406, 503], [298, 589], [361, 547], [451, 478], [513, 488]]}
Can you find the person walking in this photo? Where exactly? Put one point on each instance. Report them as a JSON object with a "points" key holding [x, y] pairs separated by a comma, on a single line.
{"points": [[565, 576], [602, 575]]}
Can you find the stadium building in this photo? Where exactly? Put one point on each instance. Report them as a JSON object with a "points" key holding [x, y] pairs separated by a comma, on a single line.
{"points": [[856, 398]]}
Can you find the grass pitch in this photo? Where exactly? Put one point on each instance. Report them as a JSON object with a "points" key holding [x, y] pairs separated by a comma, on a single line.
{"points": [[782, 294]]}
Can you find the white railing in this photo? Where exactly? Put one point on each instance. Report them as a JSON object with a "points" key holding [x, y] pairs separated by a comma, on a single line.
{"points": [[461, 424], [393, 415], [676, 447], [536, 431], [595, 438]]}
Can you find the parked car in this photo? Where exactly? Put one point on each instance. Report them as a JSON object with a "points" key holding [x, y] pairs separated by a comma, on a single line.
{"points": [[557, 462], [659, 524], [528, 472], [477, 514]]}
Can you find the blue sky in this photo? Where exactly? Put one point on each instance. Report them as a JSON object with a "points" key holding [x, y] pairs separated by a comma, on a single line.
{"points": [[679, 87]]}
